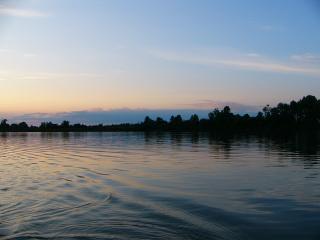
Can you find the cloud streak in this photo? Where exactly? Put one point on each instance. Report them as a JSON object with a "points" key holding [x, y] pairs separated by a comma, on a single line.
{"points": [[18, 12], [127, 115], [105, 116], [251, 61], [269, 28], [10, 75], [236, 107], [306, 57]]}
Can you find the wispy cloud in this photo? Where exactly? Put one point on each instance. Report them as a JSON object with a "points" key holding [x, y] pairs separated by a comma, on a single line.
{"points": [[13, 75], [19, 12], [236, 107], [267, 28], [105, 116], [29, 55], [249, 61], [270, 28], [128, 115], [306, 57], [14, 53], [5, 50], [253, 55]]}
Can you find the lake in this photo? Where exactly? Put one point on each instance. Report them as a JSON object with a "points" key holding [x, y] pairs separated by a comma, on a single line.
{"points": [[158, 186]]}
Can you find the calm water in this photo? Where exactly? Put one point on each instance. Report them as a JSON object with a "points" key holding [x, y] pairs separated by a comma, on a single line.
{"points": [[138, 186]]}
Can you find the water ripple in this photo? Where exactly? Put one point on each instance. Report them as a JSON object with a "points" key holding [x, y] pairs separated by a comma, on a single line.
{"points": [[137, 186]]}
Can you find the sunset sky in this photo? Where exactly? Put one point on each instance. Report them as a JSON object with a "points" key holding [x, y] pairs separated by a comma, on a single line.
{"points": [[63, 55]]}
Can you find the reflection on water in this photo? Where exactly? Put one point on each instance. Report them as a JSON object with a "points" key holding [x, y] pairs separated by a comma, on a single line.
{"points": [[158, 186]]}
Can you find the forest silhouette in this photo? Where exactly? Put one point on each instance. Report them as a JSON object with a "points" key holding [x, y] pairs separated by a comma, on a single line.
{"points": [[303, 115]]}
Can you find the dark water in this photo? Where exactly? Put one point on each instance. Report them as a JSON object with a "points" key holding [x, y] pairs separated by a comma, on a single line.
{"points": [[137, 186]]}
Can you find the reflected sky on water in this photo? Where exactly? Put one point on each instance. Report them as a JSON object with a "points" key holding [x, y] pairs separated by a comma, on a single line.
{"points": [[158, 186]]}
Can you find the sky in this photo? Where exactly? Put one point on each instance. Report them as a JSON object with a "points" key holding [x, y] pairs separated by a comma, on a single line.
{"points": [[76, 56]]}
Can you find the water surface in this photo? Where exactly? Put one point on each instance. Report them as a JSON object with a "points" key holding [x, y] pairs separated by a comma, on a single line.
{"points": [[157, 186]]}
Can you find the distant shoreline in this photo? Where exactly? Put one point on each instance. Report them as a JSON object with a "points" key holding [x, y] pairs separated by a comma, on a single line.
{"points": [[300, 116]]}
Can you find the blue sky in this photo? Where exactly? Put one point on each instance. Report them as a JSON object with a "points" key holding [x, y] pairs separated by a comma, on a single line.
{"points": [[67, 56]]}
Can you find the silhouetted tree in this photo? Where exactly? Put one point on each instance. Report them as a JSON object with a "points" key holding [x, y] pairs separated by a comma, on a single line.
{"points": [[148, 124], [4, 126], [194, 119], [176, 122], [297, 116], [161, 124], [267, 111], [65, 125]]}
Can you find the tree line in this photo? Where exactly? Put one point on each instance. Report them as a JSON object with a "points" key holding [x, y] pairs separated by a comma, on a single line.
{"points": [[294, 116]]}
